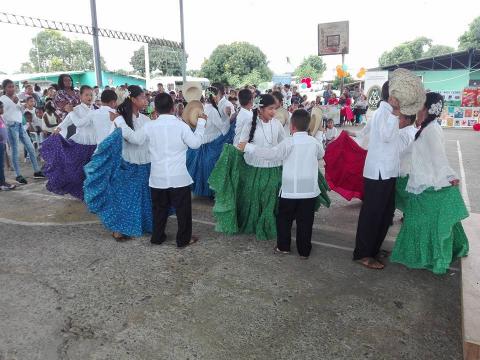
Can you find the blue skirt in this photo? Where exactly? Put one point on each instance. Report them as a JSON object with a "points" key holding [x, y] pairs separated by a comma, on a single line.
{"points": [[201, 161], [117, 191]]}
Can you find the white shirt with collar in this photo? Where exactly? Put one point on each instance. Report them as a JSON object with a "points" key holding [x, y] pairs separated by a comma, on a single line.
{"points": [[244, 116], [84, 135], [12, 113], [168, 140], [406, 138], [216, 127], [267, 134], [131, 152], [223, 104], [383, 158], [299, 154], [99, 120]]}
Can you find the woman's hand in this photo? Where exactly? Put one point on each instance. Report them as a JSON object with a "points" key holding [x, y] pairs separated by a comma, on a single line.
{"points": [[57, 131], [455, 182], [68, 108], [241, 146]]}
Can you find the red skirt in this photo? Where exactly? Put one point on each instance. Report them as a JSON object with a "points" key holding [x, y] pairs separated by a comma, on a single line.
{"points": [[344, 162]]}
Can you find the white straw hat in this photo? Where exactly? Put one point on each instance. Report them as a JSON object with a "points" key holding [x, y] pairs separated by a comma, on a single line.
{"points": [[192, 112], [192, 91], [282, 115], [316, 121], [408, 89]]}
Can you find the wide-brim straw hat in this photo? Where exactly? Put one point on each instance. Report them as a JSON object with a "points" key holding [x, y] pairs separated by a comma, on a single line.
{"points": [[408, 89], [192, 112], [316, 121], [282, 115], [191, 91]]}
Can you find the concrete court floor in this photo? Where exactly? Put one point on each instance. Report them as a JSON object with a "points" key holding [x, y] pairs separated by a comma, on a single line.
{"points": [[69, 291]]}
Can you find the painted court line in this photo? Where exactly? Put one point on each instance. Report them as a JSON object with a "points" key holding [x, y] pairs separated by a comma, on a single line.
{"points": [[464, 179], [204, 222]]}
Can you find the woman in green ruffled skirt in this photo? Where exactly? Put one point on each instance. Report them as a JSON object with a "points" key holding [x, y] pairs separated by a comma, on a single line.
{"points": [[432, 236], [247, 187]]}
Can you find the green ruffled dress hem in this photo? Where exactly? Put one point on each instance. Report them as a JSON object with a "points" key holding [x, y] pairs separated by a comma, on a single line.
{"points": [[246, 197], [432, 235]]}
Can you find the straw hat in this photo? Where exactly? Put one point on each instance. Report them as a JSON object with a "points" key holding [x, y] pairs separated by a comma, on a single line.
{"points": [[192, 91], [192, 112], [282, 115], [408, 89], [316, 121]]}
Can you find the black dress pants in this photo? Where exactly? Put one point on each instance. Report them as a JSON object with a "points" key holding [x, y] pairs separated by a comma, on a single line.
{"points": [[303, 212], [375, 217], [162, 201]]}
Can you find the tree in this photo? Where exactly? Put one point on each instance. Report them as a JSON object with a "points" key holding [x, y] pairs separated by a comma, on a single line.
{"points": [[409, 50], [27, 68], [471, 37], [312, 67], [338, 82], [52, 51], [437, 50], [195, 73], [237, 64], [164, 60]]}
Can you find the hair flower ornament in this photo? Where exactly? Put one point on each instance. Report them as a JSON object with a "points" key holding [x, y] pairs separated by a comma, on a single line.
{"points": [[436, 109], [257, 102], [209, 93]]}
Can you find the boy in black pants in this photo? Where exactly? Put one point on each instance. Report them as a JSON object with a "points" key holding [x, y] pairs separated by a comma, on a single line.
{"points": [[300, 154]]}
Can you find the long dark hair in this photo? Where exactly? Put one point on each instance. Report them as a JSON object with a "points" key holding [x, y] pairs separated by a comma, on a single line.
{"points": [[60, 84], [5, 83], [211, 91], [126, 107], [265, 100], [432, 98]]}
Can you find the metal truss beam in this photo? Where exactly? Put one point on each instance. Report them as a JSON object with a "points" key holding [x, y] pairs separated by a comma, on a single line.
{"points": [[83, 29]]}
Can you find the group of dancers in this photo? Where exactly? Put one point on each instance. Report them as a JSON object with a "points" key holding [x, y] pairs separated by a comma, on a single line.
{"points": [[261, 167]]}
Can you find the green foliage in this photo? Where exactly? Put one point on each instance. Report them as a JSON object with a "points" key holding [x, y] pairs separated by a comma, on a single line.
{"points": [[26, 68], [437, 50], [407, 51], [471, 37], [312, 67], [237, 64], [337, 83], [195, 73], [164, 60], [52, 51]]}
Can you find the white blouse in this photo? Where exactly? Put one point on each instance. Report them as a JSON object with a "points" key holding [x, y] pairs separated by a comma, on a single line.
{"points": [[267, 135], [216, 127], [135, 154], [83, 135], [429, 167]]}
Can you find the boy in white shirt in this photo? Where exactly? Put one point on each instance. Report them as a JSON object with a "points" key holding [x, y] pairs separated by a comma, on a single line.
{"points": [[245, 114], [300, 154], [168, 141]]}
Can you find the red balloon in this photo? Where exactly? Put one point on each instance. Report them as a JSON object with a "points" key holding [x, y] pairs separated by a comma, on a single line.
{"points": [[304, 81]]}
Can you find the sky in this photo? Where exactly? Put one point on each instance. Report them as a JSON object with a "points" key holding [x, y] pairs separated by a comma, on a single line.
{"points": [[279, 28]]}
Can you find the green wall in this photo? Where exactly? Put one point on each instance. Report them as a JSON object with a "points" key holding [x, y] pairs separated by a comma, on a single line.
{"points": [[89, 78], [445, 79], [110, 79]]}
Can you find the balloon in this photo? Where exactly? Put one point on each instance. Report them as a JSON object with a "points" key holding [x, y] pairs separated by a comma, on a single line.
{"points": [[304, 86], [303, 81], [308, 80], [344, 67], [339, 67]]}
